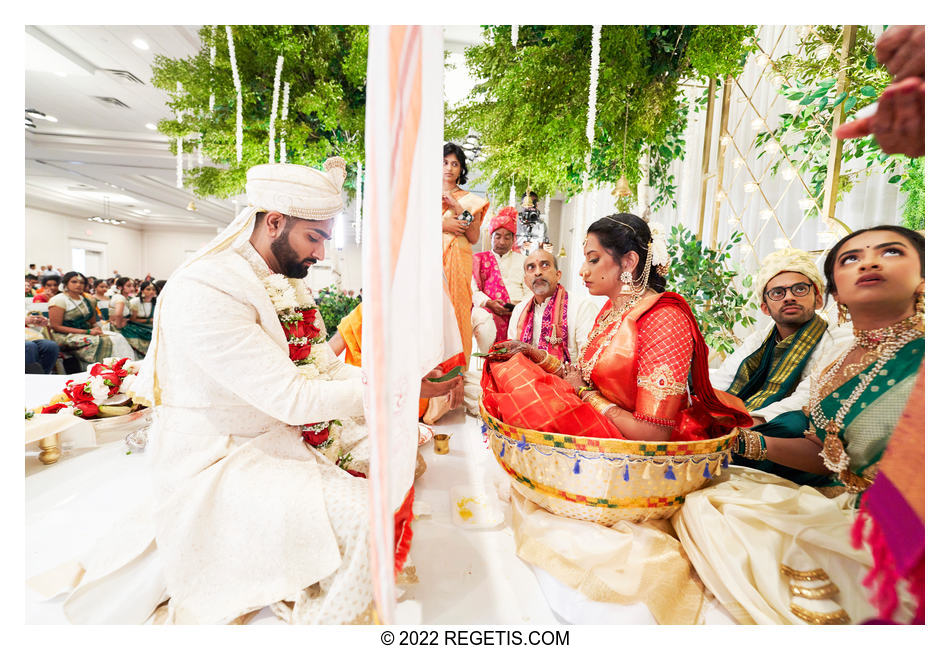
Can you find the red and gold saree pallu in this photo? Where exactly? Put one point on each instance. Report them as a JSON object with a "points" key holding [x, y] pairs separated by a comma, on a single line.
{"points": [[457, 264]]}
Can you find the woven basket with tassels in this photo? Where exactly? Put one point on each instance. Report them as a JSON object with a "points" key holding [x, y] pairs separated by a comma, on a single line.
{"points": [[604, 480]]}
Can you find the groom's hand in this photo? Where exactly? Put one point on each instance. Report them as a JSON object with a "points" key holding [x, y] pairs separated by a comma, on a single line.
{"points": [[435, 389]]}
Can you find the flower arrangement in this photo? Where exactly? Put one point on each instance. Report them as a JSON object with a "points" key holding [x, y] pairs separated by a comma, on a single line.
{"points": [[104, 394]]}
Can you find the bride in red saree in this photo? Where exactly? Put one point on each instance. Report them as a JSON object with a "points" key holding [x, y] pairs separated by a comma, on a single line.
{"points": [[643, 374]]}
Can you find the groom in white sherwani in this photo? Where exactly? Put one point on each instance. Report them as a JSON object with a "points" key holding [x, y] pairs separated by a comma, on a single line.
{"points": [[251, 407]]}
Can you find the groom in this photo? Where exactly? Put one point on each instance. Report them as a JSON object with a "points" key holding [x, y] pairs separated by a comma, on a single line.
{"points": [[248, 513]]}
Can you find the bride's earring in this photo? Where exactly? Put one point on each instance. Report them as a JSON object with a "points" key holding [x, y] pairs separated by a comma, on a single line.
{"points": [[626, 278]]}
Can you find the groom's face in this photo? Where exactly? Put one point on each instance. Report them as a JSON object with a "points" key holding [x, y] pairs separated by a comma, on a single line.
{"points": [[299, 244]]}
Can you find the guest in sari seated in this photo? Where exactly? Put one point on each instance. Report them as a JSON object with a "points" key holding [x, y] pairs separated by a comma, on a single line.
{"points": [[138, 330], [772, 551], [633, 376], [50, 289], [72, 319], [101, 300]]}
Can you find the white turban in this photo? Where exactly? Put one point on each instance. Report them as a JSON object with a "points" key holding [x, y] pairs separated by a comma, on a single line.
{"points": [[790, 259], [295, 190]]}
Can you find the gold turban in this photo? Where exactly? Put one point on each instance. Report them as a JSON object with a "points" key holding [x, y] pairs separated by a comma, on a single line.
{"points": [[790, 259]]}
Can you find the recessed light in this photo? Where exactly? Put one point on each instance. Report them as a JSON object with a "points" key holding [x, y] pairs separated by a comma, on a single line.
{"points": [[59, 73], [151, 127], [140, 43], [146, 211]]}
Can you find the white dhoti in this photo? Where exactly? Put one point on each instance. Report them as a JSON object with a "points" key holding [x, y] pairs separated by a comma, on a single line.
{"points": [[240, 523]]}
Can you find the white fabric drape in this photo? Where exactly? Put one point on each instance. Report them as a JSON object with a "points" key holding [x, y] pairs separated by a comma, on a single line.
{"points": [[401, 267]]}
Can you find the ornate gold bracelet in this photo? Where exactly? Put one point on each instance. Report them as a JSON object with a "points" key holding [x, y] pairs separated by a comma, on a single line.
{"points": [[550, 363], [750, 444], [598, 401]]}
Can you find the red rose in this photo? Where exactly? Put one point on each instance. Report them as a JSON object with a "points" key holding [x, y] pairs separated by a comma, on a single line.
{"points": [[53, 408], [118, 369], [299, 352], [86, 410], [98, 369], [316, 438], [77, 392], [294, 329], [309, 315]]}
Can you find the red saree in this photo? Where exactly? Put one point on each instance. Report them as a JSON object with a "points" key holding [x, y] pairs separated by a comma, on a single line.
{"points": [[645, 366]]}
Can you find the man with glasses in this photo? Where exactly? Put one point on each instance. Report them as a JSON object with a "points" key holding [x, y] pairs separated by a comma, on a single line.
{"points": [[770, 371]]}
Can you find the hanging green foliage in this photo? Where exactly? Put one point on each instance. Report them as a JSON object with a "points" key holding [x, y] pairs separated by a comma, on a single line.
{"points": [[914, 211], [702, 275], [326, 68], [805, 134], [529, 108], [334, 306]]}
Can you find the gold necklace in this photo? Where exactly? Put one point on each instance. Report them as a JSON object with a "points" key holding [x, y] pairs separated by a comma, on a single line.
{"points": [[615, 315], [885, 342]]}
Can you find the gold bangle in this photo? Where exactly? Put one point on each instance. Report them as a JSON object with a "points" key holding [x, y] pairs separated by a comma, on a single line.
{"points": [[550, 363]]}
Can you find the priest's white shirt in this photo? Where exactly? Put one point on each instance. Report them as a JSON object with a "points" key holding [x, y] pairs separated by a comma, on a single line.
{"points": [[581, 313], [833, 342], [511, 265]]}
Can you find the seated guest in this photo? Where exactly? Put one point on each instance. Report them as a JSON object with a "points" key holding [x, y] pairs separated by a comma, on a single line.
{"points": [[770, 371], [550, 319], [101, 299], [50, 289], [119, 303], [635, 371], [30, 291], [138, 329], [498, 280], [41, 353], [796, 563], [72, 318]]}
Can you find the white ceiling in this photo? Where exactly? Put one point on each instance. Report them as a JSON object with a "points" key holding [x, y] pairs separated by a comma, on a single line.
{"points": [[96, 150]]}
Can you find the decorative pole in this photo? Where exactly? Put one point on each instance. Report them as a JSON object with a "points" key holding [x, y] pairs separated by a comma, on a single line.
{"points": [[239, 121], [834, 156], [707, 149], [283, 128], [275, 103]]}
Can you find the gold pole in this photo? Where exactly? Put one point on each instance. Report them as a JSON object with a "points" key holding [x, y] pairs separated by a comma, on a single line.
{"points": [[720, 161], [707, 141], [833, 175]]}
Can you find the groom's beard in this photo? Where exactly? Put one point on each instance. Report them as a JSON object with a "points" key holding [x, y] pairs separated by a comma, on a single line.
{"points": [[291, 265]]}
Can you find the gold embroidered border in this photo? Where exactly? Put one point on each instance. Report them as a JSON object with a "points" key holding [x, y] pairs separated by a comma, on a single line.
{"points": [[661, 384], [815, 593], [839, 617], [815, 574]]}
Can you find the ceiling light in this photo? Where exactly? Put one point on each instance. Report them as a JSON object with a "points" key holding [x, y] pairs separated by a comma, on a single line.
{"points": [[191, 207], [151, 127], [60, 73], [140, 43], [146, 211]]}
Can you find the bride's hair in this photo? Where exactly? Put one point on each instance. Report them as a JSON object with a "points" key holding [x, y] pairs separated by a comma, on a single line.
{"points": [[621, 233]]}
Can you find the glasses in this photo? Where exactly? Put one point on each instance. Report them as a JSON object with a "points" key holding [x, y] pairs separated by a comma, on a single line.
{"points": [[798, 289]]}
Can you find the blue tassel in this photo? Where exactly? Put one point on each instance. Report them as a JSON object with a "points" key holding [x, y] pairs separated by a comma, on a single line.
{"points": [[501, 454], [669, 473], [577, 466], [523, 444], [725, 461], [706, 473], [484, 428], [626, 472]]}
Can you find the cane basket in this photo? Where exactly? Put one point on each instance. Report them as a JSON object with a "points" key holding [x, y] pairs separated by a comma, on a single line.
{"points": [[604, 480]]}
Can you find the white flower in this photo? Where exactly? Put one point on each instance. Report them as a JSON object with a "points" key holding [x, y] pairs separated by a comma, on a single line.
{"points": [[126, 384], [98, 389], [304, 296], [661, 256], [308, 371]]}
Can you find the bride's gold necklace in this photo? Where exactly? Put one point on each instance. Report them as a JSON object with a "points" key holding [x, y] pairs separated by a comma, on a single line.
{"points": [[615, 315]]}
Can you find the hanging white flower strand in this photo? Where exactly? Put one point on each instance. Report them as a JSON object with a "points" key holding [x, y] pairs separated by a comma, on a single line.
{"points": [[283, 128], [514, 36], [359, 201], [211, 56], [272, 130], [512, 196], [179, 181], [239, 121], [547, 206], [592, 110]]}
